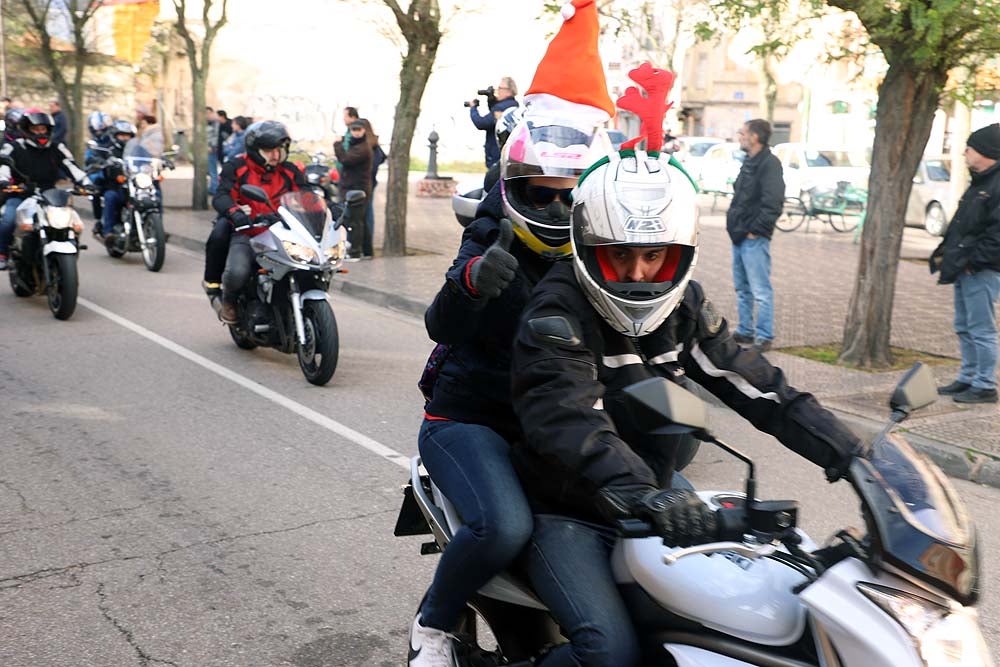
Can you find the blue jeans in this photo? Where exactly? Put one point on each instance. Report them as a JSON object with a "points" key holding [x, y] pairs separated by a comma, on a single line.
{"points": [[976, 326], [213, 171], [113, 200], [569, 565], [7, 224], [471, 465], [752, 279]]}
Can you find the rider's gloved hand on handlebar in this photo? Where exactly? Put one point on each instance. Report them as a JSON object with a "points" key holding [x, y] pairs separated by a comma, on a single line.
{"points": [[240, 219], [680, 517]]}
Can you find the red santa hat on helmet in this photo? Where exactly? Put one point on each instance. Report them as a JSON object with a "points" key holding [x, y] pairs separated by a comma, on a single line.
{"points": [[570, 77]]}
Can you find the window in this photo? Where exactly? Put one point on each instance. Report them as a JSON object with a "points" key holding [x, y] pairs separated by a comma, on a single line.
{"points": [[937, 170]]}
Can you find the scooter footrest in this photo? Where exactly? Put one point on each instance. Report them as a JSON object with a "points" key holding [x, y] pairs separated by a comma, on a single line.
{"points": [[428, 548]]}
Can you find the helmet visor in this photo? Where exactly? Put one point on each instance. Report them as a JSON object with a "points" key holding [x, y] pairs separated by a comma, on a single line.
{"points": [[543, 147]]}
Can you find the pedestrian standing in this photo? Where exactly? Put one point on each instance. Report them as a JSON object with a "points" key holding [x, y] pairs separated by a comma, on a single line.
{"points": [[378, 157], [212, 142], [225, 130], [356, 174], [969, 259], [59, 118], [758, 195]]}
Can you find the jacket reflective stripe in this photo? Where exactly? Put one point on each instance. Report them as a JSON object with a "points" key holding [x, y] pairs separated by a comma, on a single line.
{"points": [[619, 360], [735, 379], [667, 357]]}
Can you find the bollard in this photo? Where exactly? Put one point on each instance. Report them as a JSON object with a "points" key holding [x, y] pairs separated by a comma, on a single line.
{"points": [[432, 161], [433, 185]]}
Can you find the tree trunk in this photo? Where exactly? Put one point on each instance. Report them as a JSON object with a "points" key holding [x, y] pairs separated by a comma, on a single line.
{"points": [[199, 140], [416, 69], [906, 103], [769, 90]]}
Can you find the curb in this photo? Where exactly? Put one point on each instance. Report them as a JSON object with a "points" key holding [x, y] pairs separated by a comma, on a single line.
{"points": [[954, 461]]}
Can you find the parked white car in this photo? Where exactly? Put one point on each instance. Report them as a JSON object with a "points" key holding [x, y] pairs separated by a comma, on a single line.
{"points": [[931, 205], [692, 150], [719, 167], [807, 167]]}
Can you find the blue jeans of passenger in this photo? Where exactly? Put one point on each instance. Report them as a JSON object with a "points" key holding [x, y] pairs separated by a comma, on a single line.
{"points": [[976, 326], [471, 465], [113, 200], [7, 224], [752, 280], [569, 565], [213, 171]]}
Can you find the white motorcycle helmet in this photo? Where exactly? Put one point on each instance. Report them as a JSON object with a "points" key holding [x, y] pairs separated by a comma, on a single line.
{"points": [[634, 199], [546, 145]]}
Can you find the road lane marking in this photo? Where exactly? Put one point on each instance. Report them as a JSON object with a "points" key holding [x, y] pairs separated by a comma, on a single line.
{"points": [[319, 419]]}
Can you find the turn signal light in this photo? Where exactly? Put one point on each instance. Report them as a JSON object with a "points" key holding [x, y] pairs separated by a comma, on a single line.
{"points": [[120, 178]]}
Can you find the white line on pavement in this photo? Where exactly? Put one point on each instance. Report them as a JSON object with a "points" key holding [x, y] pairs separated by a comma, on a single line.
{"points": [[321, 420]]}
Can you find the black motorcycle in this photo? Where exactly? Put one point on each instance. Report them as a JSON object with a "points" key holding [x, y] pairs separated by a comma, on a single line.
{"points": [[140, 227]]}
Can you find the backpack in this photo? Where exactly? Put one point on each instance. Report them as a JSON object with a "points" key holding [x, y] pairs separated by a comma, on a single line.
{"points": [[431, 369]]}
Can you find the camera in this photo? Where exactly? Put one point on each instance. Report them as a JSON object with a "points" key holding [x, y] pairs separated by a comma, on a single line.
{"points": [[488, 94]]}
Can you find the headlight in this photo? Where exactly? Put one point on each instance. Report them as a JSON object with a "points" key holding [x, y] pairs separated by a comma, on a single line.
{"points": [[335, 252], [944, 637], [143, 180], [299, 252], [59, 218]]}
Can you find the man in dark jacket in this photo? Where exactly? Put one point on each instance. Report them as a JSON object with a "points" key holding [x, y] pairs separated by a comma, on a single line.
{"points": [[623, 311], [61, 126], [969, 258], [503, 99], [355, 174], [758, 195]]}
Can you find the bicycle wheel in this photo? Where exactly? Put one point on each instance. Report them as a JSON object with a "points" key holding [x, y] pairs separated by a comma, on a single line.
{"points": [[793, 214], [846, 221]]}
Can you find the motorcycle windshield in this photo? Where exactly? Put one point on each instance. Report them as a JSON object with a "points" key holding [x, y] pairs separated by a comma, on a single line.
{"points": [[149, 165], [308, 208], [921, 524]]}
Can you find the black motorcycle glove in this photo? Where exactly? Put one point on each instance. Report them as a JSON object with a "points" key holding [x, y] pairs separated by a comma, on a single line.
{"points": [[495, 269], [679, 515], [240, 219]]}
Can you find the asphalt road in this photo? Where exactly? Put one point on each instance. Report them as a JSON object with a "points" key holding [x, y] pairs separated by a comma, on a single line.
{"points": [[169, 499]]}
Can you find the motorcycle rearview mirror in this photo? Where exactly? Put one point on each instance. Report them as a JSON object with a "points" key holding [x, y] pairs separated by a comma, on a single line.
{"points": [[660, 407], [915, 390], [355, 197], [254, 193]]}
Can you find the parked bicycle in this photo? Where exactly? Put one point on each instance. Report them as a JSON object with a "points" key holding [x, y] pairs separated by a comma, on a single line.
{"points": [[843, 208]]}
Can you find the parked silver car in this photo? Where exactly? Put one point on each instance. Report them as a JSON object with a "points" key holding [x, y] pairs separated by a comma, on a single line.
{"points": [[719, 167], [931, 205]]}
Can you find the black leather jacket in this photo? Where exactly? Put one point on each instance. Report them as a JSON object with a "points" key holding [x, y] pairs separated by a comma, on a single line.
{"points": [[972, 240], [568, 371], [758, 197]]}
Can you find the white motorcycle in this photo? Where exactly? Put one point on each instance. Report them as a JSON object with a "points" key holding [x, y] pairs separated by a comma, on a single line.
{"points": [[902, 595], [285, 304], [43, 257]]}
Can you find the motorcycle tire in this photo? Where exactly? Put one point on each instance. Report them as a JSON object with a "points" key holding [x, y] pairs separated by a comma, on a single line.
{"points": [[520, 634], [114, 246], [241, 339], [63, 285], [318, 357], [20, 289], [156, 241]]}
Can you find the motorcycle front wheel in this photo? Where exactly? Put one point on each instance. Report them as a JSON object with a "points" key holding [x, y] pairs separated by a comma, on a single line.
{"points": [[63, 285], [155, 250], [318, 356]]}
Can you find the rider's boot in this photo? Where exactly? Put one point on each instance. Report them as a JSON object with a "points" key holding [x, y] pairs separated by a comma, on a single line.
{"points": [[214, 293]]}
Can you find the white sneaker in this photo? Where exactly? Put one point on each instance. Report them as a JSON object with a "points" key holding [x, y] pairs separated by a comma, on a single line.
{"points": [[430, 647]]}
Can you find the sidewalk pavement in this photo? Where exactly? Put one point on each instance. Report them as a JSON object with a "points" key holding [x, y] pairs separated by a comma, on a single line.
{"points": [[813, 276]]}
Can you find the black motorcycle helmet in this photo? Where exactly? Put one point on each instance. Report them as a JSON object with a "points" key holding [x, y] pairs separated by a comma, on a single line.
{"points": [[120, 127], [10, 121], [32, 118], [266, 134]]}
